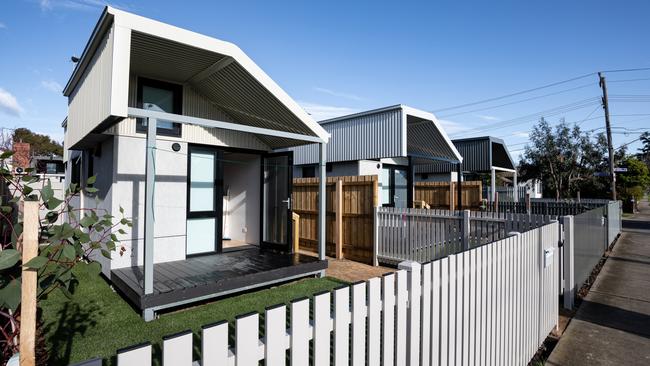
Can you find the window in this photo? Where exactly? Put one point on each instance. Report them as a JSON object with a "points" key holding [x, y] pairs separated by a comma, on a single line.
{"points": [[162, 97], [75, 173], [309, 171], [328, 167]]}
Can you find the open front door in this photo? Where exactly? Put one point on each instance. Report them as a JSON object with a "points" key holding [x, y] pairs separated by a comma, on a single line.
{"points": [[277, 181]]}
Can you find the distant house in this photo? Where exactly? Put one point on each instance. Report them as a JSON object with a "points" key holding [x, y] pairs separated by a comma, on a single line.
{"points": [[183, 132], [481, 156], [388, 142]]}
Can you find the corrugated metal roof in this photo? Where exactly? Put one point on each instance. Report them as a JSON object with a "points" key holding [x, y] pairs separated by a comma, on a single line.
{"points": [[480, 154], [218, 70], [395, 131]]}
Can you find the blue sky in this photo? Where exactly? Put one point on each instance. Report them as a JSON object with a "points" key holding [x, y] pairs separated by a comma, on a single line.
{"points": [[338, 57]]}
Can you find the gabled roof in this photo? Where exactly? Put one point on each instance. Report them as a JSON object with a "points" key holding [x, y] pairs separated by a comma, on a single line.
{"points": [[219, 70], [480, 154], [394, 131]]}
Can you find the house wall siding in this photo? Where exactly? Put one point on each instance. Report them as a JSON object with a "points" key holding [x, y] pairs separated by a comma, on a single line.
{"points": [[372, 136], [195, 105], [90, 103]]}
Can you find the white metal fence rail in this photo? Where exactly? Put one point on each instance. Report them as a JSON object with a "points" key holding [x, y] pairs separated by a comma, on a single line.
{"points": [[492, 305], [422, 235]]}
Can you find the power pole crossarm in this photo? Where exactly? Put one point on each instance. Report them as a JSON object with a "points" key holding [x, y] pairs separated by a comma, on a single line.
{"points": [[610, 148]]}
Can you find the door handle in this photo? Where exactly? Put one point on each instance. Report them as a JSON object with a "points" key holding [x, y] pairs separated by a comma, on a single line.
{"points": [[288, 202]]}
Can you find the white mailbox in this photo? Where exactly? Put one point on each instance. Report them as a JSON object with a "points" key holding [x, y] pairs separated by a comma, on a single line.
{"points": [[548, 256]]}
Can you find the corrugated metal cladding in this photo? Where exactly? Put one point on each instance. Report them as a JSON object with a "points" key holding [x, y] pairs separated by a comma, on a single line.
{"points": [[424, 139], [90, 103], [372, 136], [475, 153], [232, 89], [196, 105]]}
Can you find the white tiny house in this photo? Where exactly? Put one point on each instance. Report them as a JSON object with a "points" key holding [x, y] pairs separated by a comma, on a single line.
{"points": [[184, 133]]}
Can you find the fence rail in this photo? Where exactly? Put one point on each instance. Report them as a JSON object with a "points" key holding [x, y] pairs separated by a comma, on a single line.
{"points": [[546, 207], [494, 304], [423, 235]]}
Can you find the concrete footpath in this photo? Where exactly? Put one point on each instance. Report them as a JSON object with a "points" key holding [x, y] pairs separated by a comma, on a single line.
{"points": [[612, 325]]}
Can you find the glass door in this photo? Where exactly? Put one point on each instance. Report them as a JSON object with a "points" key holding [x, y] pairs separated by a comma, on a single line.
{"points": [[204, 202], [276, 201], [394, 191]]}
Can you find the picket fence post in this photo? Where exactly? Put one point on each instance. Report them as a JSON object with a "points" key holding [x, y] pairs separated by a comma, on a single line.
{"points": [[569, 265], [466, 229]]}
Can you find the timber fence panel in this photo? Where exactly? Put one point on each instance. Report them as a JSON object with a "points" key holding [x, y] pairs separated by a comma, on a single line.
{"points": [[359, 199]]}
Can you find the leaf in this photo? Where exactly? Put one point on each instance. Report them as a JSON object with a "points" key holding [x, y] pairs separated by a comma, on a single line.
{"points": [[53, 203], [8, 258], [47, 192], [10, 295], [6, 154], [36, 262], [91, 180], [91, 190], [87, 221], [121, 209], [106, 253], [69, 251]]}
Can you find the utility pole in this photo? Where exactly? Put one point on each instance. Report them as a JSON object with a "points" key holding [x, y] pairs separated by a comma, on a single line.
{"points": [[610, 148]]}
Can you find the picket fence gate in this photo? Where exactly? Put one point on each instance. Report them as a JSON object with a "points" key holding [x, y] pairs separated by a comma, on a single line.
{"points": [[492, 305]]}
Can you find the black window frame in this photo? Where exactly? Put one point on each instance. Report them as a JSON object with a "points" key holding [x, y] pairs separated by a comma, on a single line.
{"points": [[177, 91]]}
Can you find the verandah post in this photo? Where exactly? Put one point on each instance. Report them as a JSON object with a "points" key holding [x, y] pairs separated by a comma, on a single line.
{"points": [[150, 176], [322, 206]]}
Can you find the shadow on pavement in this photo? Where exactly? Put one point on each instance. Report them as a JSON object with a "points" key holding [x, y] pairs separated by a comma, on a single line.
{"points": [[615, 317]]}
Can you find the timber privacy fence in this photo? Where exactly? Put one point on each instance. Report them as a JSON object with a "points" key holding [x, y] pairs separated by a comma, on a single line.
{"points": [[491, 305]]}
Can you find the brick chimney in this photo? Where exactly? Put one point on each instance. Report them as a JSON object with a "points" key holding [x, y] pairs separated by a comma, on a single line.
{"points": [[22, 155]]}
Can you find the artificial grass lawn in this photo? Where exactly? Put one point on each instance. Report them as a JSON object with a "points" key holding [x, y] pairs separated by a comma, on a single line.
{"points": [[97, 321]]}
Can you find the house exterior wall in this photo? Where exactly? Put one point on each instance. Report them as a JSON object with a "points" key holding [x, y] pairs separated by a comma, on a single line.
{"points": [[372, 136], [169, 199], [436, 177], [195, 105], [89, 104]]}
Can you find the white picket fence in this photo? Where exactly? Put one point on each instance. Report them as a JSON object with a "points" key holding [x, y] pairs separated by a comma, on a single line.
{"points": [[423, 235], [491, 305]]}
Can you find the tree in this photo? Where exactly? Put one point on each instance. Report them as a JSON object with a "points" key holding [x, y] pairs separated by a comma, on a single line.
{"points": [[565, 159], [644, 151], [63, 243], [635, 182], [40, 144]]}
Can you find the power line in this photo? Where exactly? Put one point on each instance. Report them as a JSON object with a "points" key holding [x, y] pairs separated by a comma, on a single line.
{"points": [[628, 80], [517, 101], [628, 70], [514, 94], [534, 116]]}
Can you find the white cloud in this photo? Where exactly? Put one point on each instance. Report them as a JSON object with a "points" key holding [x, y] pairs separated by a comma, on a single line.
{"points": [[77, 4], [339, 94], [522, 134], [9, 104], [488, 118], [52, 86], [321, 112], [452, 127]]}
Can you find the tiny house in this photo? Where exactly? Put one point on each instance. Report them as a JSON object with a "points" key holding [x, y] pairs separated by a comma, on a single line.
{"points": [[388, 142], [188, 136], [481, 156]]}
